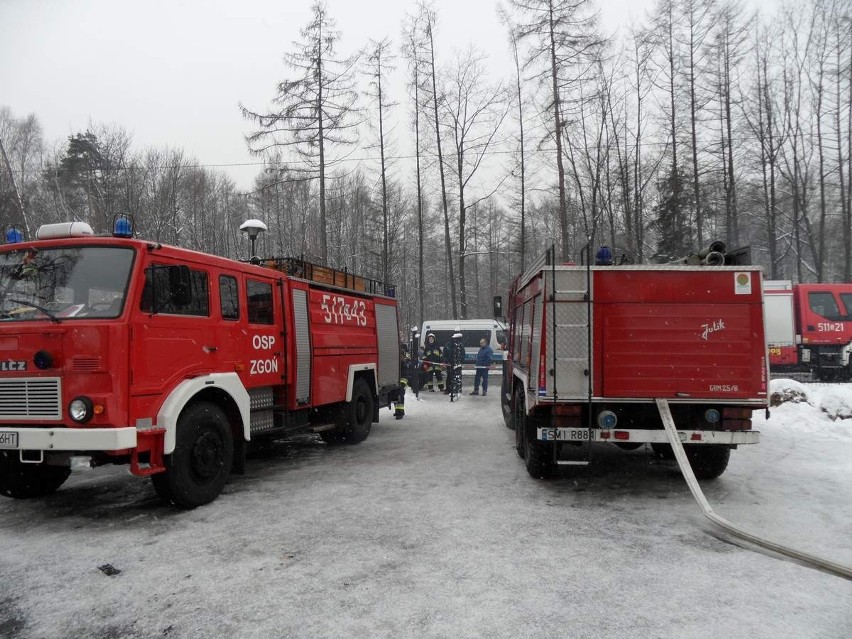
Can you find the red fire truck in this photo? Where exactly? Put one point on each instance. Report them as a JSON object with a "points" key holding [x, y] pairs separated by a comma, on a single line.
{"points": [[591, 348], [117, 350], [809, 328]]}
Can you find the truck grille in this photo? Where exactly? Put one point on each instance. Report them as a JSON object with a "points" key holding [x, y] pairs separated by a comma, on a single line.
{"points": [[30, 398]]}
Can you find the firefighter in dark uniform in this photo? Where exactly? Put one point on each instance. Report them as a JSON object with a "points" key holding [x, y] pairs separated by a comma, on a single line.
{"points": [[454, 356], [404, 372], [432, 363]]}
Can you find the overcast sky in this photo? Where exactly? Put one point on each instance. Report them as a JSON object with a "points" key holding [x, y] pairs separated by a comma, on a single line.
{"points": [[172, 72]]}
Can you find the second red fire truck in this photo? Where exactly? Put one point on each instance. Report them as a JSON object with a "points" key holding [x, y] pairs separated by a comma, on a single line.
{"points": [[117, 350], [592, 349], [809, 328]]}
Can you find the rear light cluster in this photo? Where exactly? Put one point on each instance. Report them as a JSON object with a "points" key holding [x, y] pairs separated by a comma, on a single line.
{"points": [[736, 418], [621, 435]]}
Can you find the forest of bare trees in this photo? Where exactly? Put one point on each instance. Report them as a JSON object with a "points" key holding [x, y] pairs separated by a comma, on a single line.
{"points": [[704, 122]]}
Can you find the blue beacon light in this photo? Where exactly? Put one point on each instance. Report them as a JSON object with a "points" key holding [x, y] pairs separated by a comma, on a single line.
{"points": [[123, 227], [14, 236]]}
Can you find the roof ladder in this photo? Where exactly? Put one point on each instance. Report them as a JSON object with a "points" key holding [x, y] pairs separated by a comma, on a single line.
{"points": [[586, 453]]}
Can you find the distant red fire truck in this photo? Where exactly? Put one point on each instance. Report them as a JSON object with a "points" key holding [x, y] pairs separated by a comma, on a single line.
{"points": [[591, 348], [809, 328], [119, 350]]}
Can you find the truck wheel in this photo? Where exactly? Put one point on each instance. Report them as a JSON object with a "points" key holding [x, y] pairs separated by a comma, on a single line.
{"points": [[332, 437], [538, 454], [629, 445], [197, 470], [356, 418], [21, 481], [708, 461]]}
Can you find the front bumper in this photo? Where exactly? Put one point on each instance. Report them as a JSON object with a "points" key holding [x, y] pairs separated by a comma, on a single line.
{"points": [[67, 439]]}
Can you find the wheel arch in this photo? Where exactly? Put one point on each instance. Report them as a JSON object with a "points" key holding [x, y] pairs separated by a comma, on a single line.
{"points": [[225, 390], [367, 372], [520, 380]]}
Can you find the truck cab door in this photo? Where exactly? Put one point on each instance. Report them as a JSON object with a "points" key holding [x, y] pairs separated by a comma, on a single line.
{"points": [[265, 348]]}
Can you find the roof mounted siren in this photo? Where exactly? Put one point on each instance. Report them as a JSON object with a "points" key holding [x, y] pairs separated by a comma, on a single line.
{"points": [[14, 236], [122, 225], [603, 257]]}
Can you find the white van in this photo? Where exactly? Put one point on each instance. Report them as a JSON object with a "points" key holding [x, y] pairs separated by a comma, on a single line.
{"points": [[472, 331]]}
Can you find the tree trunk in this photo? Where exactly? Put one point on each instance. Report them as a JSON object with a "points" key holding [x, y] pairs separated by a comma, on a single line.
{"points": [[557, 122], [448, 244]]}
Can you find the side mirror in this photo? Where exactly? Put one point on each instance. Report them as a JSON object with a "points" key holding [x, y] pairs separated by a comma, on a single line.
{"points": [[180, 285], [498, 307]]}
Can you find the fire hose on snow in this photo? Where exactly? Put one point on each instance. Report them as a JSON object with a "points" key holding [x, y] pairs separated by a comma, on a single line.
{"points": [[824, 564]]}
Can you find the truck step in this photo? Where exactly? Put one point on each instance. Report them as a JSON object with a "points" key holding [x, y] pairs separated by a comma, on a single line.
{"points": [[317, 428], [564, 462]]}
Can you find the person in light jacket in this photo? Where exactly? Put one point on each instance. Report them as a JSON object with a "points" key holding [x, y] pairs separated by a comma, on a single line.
{"points": [[483, 364]]}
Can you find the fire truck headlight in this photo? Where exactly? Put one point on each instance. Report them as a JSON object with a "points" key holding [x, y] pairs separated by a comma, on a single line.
{"points": [[43, 360], [711, 415], [81, 409]]}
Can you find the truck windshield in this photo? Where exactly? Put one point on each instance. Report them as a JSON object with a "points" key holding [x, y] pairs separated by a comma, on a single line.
{"points": [[847, 302], [824, 304], [72, 282]]}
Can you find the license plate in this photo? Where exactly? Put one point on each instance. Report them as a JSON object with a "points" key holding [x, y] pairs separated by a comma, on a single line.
{"points": [[565, 434], [8, 439]]}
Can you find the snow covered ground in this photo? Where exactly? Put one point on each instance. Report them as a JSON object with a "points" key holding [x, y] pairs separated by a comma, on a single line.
{"points": [[432, 528]]}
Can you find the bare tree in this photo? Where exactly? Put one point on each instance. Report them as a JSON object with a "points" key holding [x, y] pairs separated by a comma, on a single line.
{"points": [[641, 48], [428, 18], [413, 51], [521, 163], [842, 32], [475, 112], [796, 41], [728, 49], [562, 39], [672, 212], [314, 110], [697, 15], [380, 63]]}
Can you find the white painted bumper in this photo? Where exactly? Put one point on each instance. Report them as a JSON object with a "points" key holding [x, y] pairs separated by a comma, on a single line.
{"points": [[648, 436]]}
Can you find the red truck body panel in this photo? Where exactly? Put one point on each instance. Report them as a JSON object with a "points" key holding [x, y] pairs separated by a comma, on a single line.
{"points": [[678, 334]]}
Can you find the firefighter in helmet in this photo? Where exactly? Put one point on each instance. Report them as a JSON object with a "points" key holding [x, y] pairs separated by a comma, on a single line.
{"points": [[432, 363]]}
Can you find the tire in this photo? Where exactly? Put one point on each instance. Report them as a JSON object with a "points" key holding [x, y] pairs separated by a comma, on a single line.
{"points": [[629, 445], [356, 417], [708, 461], [198, 469], [538, 455], [23, 481], [332, 437]]}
